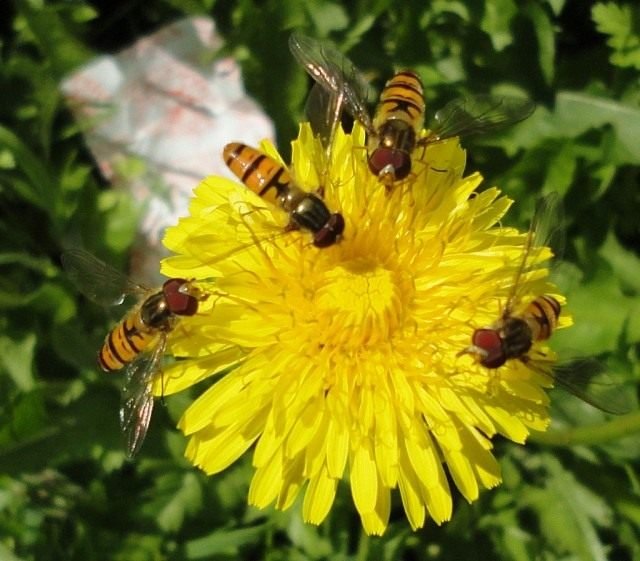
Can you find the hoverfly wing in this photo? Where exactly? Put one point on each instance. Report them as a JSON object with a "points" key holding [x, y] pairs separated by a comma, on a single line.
{"points": [[96, 280], [323, 111], [137, 399], [546, 226], [479, 114], [335, 73], [585, 379]]}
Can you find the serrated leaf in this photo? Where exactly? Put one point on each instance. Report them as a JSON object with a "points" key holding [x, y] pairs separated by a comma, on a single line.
{"points": [[622, 23], [569, 513], [577, 112]]}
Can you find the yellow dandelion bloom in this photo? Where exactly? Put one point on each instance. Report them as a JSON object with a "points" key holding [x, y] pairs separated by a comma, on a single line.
{"points": [[342, 363]]}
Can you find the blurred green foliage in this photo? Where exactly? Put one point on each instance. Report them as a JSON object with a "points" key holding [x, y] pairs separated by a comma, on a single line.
{"points": [[66, 491]]}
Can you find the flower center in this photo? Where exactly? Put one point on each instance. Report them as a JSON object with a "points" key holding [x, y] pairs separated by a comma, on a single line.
{"points": [[362, 303]]}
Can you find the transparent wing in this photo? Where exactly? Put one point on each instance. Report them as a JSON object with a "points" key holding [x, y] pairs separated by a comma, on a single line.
{"points": [[97, 280], [323, 110], [545, 228], [136, 404], [479, 114], [585, 378], [335, 73]]}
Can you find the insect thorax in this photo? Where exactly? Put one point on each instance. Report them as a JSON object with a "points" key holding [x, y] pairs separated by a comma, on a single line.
{"points": [[155, 313], [310, 212], [517, 337]]}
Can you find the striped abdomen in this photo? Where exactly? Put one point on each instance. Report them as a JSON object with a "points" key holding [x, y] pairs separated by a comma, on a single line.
{"points": [[125, 342], [512, 336], [259, 172], [399, 118], [269, 179], [542, 316], [402, 98]]}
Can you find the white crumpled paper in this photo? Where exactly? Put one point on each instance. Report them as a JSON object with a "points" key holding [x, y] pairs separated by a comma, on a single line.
{"points": [[166, 103]]}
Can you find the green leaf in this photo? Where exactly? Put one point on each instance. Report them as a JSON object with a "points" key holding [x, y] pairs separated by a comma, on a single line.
{"points": [[16, 358], [561, 170], [556, 6], [622, 24], [545, 34], [84, 428], [53, 302], [121, 216], [624, 263], [72, 181], [25, 419], [575, 113], [569, 513], [327, 17], [50, 32], [134, 546], [600, 312], [496, 22], [7, 555], [39, 186], [508, 534], [175, 496], [307, 537], [223, 542]]}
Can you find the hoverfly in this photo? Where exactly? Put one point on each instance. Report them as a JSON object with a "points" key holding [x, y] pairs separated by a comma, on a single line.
{"points": [[138, 342], [395, 130], [512, 336], [271, 181]]}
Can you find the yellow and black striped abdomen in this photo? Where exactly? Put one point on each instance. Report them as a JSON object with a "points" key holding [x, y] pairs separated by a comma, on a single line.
{"points": [[259, 172], [542, 316], [125, 342], [402, 98]]}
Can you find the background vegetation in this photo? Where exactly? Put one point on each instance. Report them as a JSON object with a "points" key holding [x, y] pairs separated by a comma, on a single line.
{"points": [[66, 491]]}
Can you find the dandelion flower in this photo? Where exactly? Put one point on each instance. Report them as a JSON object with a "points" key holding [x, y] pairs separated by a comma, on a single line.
{"points": [[342, 363]]}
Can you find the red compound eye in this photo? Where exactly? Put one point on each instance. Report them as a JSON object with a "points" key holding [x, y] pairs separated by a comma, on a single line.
{"points": [[490, 342], [330, 232], [399, 160], [178, 300]]}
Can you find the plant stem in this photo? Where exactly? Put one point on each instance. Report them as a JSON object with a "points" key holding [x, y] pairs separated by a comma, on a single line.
{"points": [[363, 547], [592, 434]]}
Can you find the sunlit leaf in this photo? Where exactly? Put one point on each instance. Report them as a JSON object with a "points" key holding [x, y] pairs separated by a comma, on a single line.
{"points": [[569, 513], [496, 22], [622, 23], [222, 542]]}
